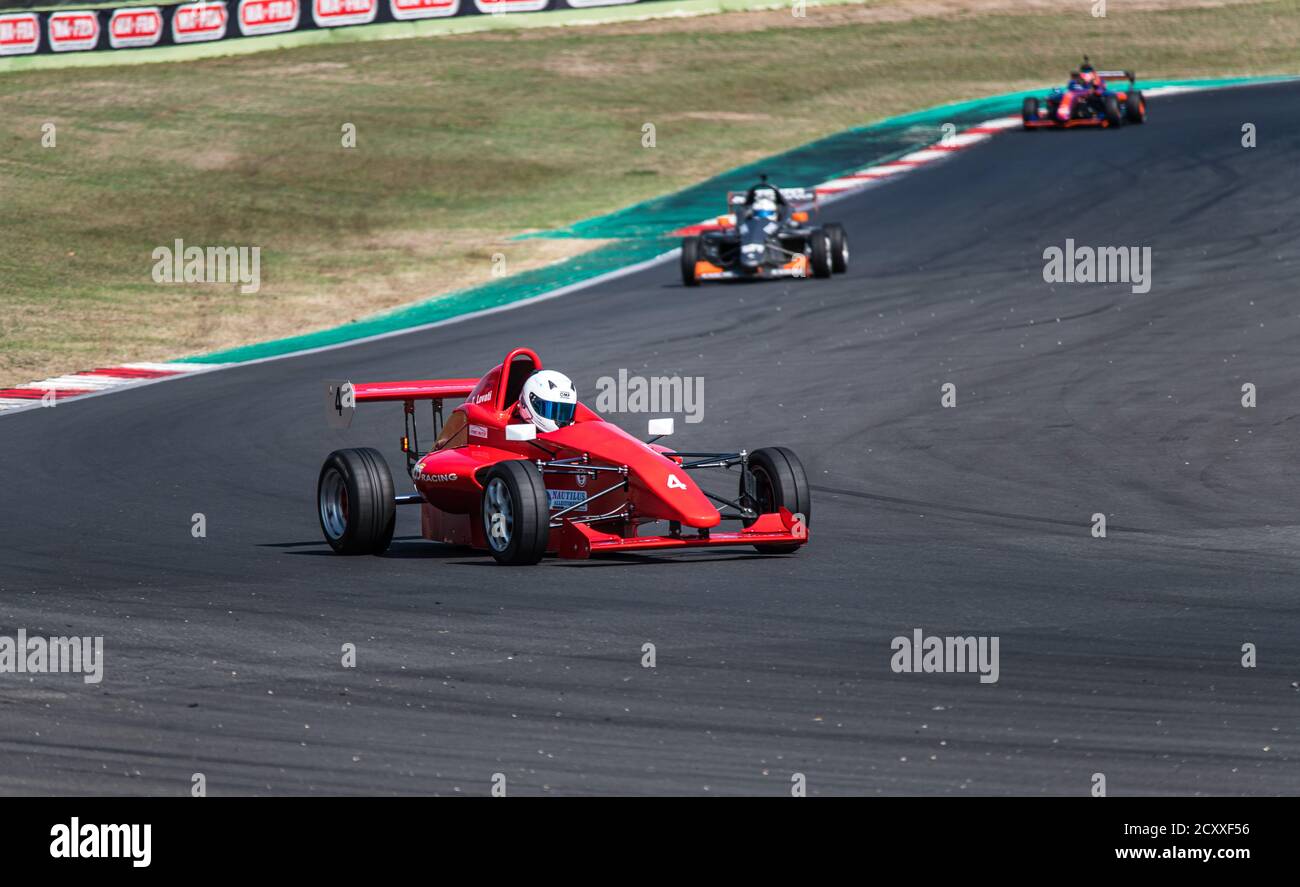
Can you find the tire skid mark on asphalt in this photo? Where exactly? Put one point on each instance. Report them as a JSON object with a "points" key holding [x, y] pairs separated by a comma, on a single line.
{"points": [[963, 509]]}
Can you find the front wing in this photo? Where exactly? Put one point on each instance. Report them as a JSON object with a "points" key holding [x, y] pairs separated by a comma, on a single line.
{"points": [[1052, 123], [799, 266], [575, 540]]}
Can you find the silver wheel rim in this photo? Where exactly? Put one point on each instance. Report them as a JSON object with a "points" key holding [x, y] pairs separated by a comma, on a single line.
{"points": [[334, 504], [496, 500]]}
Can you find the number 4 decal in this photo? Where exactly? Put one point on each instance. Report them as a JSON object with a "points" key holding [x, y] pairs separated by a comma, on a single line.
{"points": [[344, 398], [674, 482]]}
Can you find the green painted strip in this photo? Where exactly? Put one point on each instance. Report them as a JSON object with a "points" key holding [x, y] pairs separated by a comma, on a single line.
{"points": [[516, 288], [644, 231], [467, 24]]}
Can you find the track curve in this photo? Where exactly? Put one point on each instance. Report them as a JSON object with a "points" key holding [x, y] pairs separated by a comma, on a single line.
{"points": [[1119, 656]]}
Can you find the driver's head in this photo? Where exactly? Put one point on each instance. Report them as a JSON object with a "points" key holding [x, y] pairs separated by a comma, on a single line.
{"points": [[765, 208], [1088, 76], [548, 400]]}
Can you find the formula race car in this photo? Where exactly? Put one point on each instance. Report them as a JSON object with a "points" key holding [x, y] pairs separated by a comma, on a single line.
{"points": [[521, 468], [767, 233], [1087, 100]]}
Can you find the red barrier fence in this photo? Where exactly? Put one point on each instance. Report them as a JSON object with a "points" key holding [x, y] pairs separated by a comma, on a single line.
{"points": [[124, 28]]}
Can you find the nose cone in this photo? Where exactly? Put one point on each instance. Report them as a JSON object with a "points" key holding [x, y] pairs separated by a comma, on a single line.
{"points": [[670, 494], [658, 487]]}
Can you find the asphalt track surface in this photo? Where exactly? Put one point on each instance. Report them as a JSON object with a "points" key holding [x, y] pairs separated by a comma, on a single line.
{"points": [[1119, 656]]}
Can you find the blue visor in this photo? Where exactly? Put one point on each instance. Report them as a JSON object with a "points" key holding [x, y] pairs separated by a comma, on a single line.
{"points": [[559, 413]]}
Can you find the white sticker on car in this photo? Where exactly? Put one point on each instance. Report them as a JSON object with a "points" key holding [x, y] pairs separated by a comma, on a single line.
{"points": [[566, 498]]}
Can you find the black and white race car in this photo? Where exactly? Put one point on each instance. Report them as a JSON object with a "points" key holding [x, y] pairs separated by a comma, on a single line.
{"points": [[769, 232]]}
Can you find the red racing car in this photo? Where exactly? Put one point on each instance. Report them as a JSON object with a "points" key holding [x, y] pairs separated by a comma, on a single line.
{"points": [[522, 469]]}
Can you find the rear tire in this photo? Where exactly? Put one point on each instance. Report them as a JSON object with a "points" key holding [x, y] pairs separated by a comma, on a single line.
{"points": [[690, 255], [1135, 109], [1110, 105], [821, 254], [839, 247], [779, 482], [514, 490], [1029, 111], [354, 498]]}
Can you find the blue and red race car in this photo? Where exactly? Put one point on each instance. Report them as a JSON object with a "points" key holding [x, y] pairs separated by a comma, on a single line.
{"points": [[1087, 100]]}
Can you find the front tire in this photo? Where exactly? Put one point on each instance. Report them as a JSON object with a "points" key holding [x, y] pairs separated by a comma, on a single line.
{"points": [[1029, 111], [839, 247], [1135, 109], [1110, 105], [354, 498], [516, 513], [690, 255], [779, 482], [821, 254]]}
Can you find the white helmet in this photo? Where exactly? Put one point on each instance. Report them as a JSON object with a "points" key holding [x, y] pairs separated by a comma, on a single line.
{"points": [[765, 208], [548, 400]]}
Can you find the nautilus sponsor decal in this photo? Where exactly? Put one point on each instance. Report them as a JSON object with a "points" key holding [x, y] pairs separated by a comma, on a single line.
{"points": [[490, 7], [135, 26], [567, 498], [407, 10], [20, 34], [199, 22], [335, 13], [268, 16], [73, 31]]}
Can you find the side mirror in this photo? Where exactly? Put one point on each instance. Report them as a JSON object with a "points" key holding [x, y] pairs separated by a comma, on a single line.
{"points": [[526, 431], [660, 427]]}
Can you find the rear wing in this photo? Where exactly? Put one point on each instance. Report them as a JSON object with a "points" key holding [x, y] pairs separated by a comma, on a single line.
{"points": [[799, 195], [428, 389], [801, 201], [341, 398], [1118, 75], [794, 196]]}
